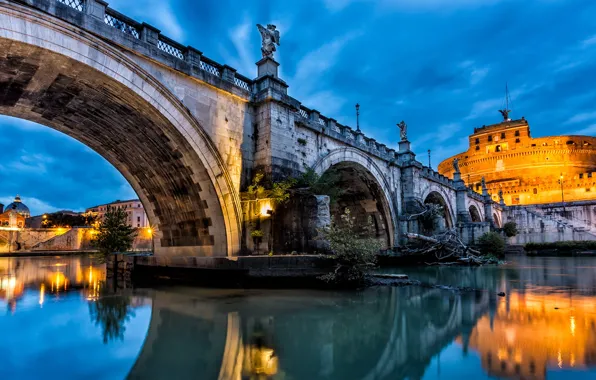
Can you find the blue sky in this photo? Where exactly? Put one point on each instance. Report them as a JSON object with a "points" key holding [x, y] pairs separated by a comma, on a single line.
{"points": [[439, 65]]}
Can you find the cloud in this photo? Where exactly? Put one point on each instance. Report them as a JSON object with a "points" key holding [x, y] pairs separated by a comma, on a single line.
{"points": [[588, 131], [36, 206], [412, 5], [581, 117], [158, 13]]}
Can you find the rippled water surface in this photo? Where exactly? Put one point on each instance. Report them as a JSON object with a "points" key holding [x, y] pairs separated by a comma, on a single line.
{"points": [[60, 320]]}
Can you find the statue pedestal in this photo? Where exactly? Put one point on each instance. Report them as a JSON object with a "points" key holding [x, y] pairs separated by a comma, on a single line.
{"points": [[267, 66], [404, 146]]}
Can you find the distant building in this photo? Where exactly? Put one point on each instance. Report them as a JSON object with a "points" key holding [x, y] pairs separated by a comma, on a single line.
{"points": [[14, 214], [134, 208], [527, 170]]}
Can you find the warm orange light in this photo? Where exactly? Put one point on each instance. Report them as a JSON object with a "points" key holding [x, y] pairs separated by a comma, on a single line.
{"points": [[266, 208], [149, 231]]}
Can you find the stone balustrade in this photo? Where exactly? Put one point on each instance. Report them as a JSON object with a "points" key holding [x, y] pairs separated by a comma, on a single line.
{"points": [[330, 127], [134, 30]]}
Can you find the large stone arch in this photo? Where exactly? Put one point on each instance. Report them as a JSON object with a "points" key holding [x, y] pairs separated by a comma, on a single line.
{"points": [[364, 164], [76, 83]]}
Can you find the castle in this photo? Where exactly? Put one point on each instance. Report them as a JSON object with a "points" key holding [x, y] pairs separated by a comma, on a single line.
{"points": [[527, 170]]}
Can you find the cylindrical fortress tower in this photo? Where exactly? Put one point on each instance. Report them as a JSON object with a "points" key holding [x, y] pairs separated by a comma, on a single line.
{"points": [[528, 170]]}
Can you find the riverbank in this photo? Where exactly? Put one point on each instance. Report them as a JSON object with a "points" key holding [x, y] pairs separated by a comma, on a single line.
{"points": [[46, 253], [561, 249]]}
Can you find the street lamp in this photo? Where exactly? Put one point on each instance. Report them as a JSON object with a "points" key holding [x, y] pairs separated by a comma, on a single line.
{"points": [[150, 232], [562, 195]]}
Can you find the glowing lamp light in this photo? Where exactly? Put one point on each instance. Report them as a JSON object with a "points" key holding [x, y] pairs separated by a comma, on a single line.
{"points": [[149, 231], [266, 209]]}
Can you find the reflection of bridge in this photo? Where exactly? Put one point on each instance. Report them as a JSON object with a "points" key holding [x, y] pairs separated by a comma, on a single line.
{"points": [[392, 334], [189, 134]]}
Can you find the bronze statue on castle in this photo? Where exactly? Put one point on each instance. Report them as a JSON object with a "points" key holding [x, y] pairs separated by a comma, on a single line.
{"points": [[505, 114]]}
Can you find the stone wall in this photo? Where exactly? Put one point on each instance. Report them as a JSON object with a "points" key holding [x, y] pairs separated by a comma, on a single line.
{"points": [[536, 228]]}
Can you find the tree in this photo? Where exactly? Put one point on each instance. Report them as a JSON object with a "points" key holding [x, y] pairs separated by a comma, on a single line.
{"points": [[114, 234], [354, 250], [510, 229], [59, 219], [492, 243]]}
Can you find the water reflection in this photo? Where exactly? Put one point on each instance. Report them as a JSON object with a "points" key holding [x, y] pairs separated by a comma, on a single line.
{"points": [[544, 327], [53, 276]]}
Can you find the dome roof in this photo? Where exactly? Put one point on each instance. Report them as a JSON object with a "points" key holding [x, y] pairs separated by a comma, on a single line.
{"points": [[19, 207]]}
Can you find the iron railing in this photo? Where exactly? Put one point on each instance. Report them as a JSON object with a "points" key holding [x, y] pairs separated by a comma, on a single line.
{"points": [[242, 83], [211, 69], [166, 47], [76, 4], [121, 25]]}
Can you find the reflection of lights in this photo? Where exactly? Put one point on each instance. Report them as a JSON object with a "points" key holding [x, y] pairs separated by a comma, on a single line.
{"points": [[58, 281], [572, 325], [8, 283], [560, 359], [263, 361], [59, 265], [572, 360], [42, 290]]}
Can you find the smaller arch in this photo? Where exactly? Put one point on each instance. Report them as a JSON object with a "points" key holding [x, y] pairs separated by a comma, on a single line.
{"points": [[475, 214], [445, 221], [497, 220], [361, 165]]}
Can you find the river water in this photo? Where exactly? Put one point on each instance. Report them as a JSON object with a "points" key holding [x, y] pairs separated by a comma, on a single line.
{"points": [[58, 320]]}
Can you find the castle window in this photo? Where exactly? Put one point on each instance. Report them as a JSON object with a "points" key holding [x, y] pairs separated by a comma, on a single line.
{"points": [[517, 140], [535, 191], [502, 135], [581, 175], [570, 142], [589, 175], [477, 140], [477, 148], [498, 148], [588, 190], [490, 138], [516, 133]]}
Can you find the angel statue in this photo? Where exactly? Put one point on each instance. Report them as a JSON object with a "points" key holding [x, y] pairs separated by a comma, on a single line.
{"points": [[456, 164], [505, 114], [501, 195], [403, 130], [270, 37], [483, 182]]}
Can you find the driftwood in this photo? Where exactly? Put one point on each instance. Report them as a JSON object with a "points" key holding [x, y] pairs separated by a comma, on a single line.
{"points": [[447, 249]]}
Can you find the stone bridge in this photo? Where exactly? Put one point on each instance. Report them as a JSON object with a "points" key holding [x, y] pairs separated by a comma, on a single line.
{"points": [[189, 133]]}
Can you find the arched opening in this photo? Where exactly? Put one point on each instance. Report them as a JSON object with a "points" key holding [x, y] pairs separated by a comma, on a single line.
{"points": [[352, 186], [475, 214], [497, 220], [441, 221], [89, 101]]}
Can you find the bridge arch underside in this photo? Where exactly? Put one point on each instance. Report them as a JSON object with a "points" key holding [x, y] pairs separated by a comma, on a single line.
{"points": [[355, 188], [440, 222], [111, 115]]}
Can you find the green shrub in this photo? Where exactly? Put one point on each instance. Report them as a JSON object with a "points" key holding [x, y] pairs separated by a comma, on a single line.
{"points": [[256, 234], [353, 248], [510, 229], [302, 141], [492, 243], [563, 246]]}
